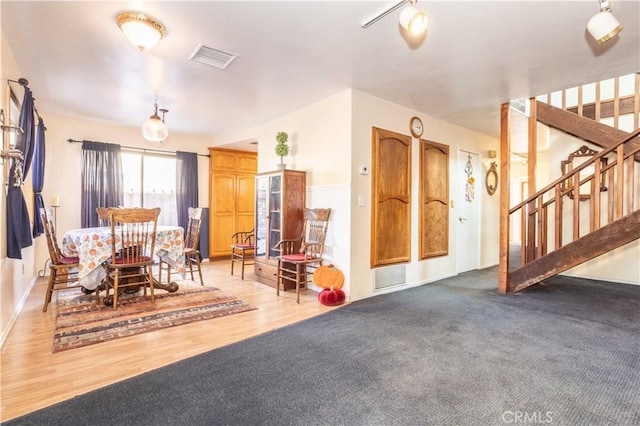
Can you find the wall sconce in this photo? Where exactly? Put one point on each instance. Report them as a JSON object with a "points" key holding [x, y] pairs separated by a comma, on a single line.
{"points": [[603, 25]]}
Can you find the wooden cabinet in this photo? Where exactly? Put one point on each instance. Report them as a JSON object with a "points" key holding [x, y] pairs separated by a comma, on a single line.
{"points": [[280, 203], [231, 197]]}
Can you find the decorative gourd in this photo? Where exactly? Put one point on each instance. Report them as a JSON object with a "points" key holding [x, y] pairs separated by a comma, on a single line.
{"points": [[331, 297], [328, 277]]}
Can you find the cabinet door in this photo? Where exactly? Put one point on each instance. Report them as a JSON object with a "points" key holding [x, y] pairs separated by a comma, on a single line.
{"points": [[223, 213], [261, 227], [275, 214], [245, 199], [434, 199]]}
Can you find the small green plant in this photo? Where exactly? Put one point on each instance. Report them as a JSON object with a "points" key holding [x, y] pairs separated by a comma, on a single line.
{"points": [[282, 149]]}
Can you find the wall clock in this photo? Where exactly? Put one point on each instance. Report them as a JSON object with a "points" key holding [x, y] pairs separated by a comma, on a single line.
{"points": [[415, 125], [491, 180]]}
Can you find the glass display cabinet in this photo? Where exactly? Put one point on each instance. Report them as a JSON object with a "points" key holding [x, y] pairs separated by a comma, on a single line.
{"points": [[280, 202]]}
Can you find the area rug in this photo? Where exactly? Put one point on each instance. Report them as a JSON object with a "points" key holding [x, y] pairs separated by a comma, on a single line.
{"points": [[80, 321]]}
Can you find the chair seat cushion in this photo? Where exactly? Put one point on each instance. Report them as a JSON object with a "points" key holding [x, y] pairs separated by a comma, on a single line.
{"points": [[124, 261], [300, 257], [243, 246], [68, 260]]}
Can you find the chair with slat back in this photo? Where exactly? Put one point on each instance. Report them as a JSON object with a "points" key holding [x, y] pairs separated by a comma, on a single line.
{"points": [[243, 249], [133, 236], [299, 266], [63, 271], [191, 252], [103, 216]]}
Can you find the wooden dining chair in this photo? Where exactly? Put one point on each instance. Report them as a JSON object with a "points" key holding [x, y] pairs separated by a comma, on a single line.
{"points": [[243, 250], [191, 253], [103, 216], [63, 270], [133, 236], [298, 266]]}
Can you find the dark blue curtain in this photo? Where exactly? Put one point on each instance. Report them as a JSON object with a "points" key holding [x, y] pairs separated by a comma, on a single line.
{"points": [[38, 178], [101, 180], [18, 226], [186, 185]]}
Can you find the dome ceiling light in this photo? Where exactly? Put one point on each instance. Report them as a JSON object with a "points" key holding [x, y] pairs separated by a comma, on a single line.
{"points": [[142, 31]]}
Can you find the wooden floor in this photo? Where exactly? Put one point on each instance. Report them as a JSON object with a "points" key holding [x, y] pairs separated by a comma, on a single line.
{"points": [[33, 377]]}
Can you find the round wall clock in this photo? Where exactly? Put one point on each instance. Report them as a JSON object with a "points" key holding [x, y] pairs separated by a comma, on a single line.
{"points": [[415, 125]]}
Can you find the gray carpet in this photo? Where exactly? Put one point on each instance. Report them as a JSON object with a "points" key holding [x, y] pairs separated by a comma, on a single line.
{"points": [[452, 352]]}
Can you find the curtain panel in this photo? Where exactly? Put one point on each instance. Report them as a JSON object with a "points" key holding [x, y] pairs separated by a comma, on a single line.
{"points": [[38, 178], [102, 184], [186, 185], [18, 225]]}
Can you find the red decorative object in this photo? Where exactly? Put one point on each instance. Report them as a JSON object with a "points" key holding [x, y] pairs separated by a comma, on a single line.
{"points": [[331, 297]]}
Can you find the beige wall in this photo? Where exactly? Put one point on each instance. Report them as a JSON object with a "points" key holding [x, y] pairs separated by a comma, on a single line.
{"points": [[16, 276], [368, 112]]}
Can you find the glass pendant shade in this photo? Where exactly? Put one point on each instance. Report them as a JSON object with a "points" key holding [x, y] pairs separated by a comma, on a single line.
{"points": [[154, 129], [141, 31], [414, 20], [604, 26]]}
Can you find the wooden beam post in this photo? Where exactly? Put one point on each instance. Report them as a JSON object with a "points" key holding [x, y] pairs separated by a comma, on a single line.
{"points": [[505, 150]]}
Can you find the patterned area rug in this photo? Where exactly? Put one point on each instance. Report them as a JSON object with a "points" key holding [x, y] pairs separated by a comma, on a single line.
{"points": [[80, 321]]}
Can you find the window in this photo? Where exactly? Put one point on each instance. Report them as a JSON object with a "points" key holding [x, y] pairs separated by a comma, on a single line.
{"points": [[150, 181]]}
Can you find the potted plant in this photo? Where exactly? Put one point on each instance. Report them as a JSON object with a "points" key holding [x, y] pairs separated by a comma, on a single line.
{"points": [[282, 149]]}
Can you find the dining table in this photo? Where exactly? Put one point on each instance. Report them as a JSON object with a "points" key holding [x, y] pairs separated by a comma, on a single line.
{"points": [[93, 247]]}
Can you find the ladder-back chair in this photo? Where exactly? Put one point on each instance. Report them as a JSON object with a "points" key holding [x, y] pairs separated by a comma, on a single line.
{"points": [[299, 266], [243, 249], [133, 237], [63, 270], [191, 252]]}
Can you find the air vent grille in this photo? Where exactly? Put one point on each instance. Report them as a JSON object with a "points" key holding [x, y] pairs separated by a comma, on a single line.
{"points": [[212, 57], [390, 276]]}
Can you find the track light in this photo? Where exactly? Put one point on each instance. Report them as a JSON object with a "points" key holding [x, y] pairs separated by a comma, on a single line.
{"points": [[414, 20], [603, 25]]}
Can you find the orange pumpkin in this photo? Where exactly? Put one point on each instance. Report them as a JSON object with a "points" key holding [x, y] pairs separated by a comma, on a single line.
{"points": [[328, 277]]}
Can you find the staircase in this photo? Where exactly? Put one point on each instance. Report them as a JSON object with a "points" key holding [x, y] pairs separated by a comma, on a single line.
{"points": [[590, 210]]}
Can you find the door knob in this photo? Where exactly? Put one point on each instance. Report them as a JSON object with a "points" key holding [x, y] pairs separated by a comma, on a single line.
{"points": [[462, 219]]}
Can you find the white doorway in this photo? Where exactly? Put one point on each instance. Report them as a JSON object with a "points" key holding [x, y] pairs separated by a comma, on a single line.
{"points": [[468, 195]]}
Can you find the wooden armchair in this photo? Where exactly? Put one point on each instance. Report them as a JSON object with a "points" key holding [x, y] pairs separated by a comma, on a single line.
{"points": [[133, 235], [298, 266], [103, 216], [63, 271], [243, 249]]}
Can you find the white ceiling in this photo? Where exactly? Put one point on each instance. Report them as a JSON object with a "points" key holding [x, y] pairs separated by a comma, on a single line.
{"points": [[476, 55]]}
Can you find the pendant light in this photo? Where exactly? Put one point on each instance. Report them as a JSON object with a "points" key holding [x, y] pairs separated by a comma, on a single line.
{"points": [[154, 129]]}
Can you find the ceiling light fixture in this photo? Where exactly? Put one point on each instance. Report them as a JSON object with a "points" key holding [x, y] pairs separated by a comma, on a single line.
{"points": [[414, 20], [141, 31], [603, 25], [154, 129]]}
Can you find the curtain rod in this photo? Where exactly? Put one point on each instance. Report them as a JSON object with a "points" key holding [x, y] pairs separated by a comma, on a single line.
{"points": [[140, 149], [25, 83]]}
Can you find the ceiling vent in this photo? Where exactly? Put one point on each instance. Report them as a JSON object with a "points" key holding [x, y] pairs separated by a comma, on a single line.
{"points": [[213, 57]]}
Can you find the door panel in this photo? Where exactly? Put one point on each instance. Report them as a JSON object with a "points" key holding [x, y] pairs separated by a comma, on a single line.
{"points": [[468, 210], [434, 195], [391, 198]]}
